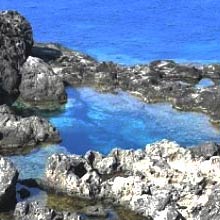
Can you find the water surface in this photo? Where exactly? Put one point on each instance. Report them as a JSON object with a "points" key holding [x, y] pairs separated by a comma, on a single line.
{"points": [[101, 122], [128, 31]]}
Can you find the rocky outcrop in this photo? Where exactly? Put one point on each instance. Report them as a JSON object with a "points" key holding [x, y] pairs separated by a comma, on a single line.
{"points": [[162, 181], [17, 132], [168, 69], [15, 45], [8, 179], [206, 100], [206, 150], [40, 86], [38, 211], [158, 81]]}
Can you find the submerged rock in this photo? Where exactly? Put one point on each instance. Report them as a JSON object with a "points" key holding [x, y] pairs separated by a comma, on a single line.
{"points": [[17, 132], [8, 179], [40, 86], [37, 211]]}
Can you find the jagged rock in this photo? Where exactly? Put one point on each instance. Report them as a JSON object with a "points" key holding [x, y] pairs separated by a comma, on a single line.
{"points": [[206, 100], [211, 209], [40, 86], [73, 175], [163, 181], [95, 211], [104, 165], [17, 132], [16, 43], [206, 150], [37, 211], [8, 179], [170, 70], [211, 71]]}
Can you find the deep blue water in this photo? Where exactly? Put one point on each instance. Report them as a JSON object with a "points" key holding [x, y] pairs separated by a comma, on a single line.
{"points": [[91, 120], [128, 31]]}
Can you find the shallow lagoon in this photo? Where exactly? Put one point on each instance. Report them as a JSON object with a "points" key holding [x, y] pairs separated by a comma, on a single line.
{"points": [[101, 122]]}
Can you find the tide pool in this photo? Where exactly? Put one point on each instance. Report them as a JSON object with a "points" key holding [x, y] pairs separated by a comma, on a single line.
{"points": [[101, 122]]}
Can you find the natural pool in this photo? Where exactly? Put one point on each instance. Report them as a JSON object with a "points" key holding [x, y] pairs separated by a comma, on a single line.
{"points": [[91, 120]]}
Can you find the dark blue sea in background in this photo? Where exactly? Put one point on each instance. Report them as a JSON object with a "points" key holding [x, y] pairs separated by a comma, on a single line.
{"points": [[128, 31]]}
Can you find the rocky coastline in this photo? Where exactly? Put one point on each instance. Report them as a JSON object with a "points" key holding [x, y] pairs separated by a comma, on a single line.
{"points": [[164, 181]]}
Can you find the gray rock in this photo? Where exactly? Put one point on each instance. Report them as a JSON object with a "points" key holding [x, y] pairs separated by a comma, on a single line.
{"points": [[206, 100], [104, 165], [17, 132], [206, 150], [211, 209], [73, 175], [95, 211], [170, 70], [40, 86], [16, 43], [37, 211], [8, 179]]}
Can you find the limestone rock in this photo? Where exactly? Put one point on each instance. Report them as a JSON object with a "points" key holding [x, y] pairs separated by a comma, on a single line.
{"points": [[40, 85], [8, 179], [17, 132]]}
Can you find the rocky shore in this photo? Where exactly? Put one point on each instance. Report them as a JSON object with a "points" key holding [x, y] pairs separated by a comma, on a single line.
{"points": [[164, 181]]}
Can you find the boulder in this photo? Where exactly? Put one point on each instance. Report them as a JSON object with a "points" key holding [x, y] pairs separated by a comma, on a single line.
{"points": [[162, 181], [40, 86], [206, 150], [16, 42], [206, 100], [168, 69], [211, 209], [8, 180], [17, 132], [72, 174], [38, 211]]}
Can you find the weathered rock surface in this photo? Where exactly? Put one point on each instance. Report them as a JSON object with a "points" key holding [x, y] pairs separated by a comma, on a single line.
{"points": [[163, 181], [206, 100], [16, 43], [37, 211], [40, 86], [17, 132], [168, 69], [206, 150], [8, 179], [159, 81]]}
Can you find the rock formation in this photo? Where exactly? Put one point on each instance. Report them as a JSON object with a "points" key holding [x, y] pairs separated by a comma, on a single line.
{"points": [[16, 41], [8, 180], [163, 181], [37, 211], [17, 132], [40, 86]]}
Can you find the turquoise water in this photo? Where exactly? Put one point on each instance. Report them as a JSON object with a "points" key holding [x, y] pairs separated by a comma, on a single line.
{"points": [[128, 31], [91, 120]]}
